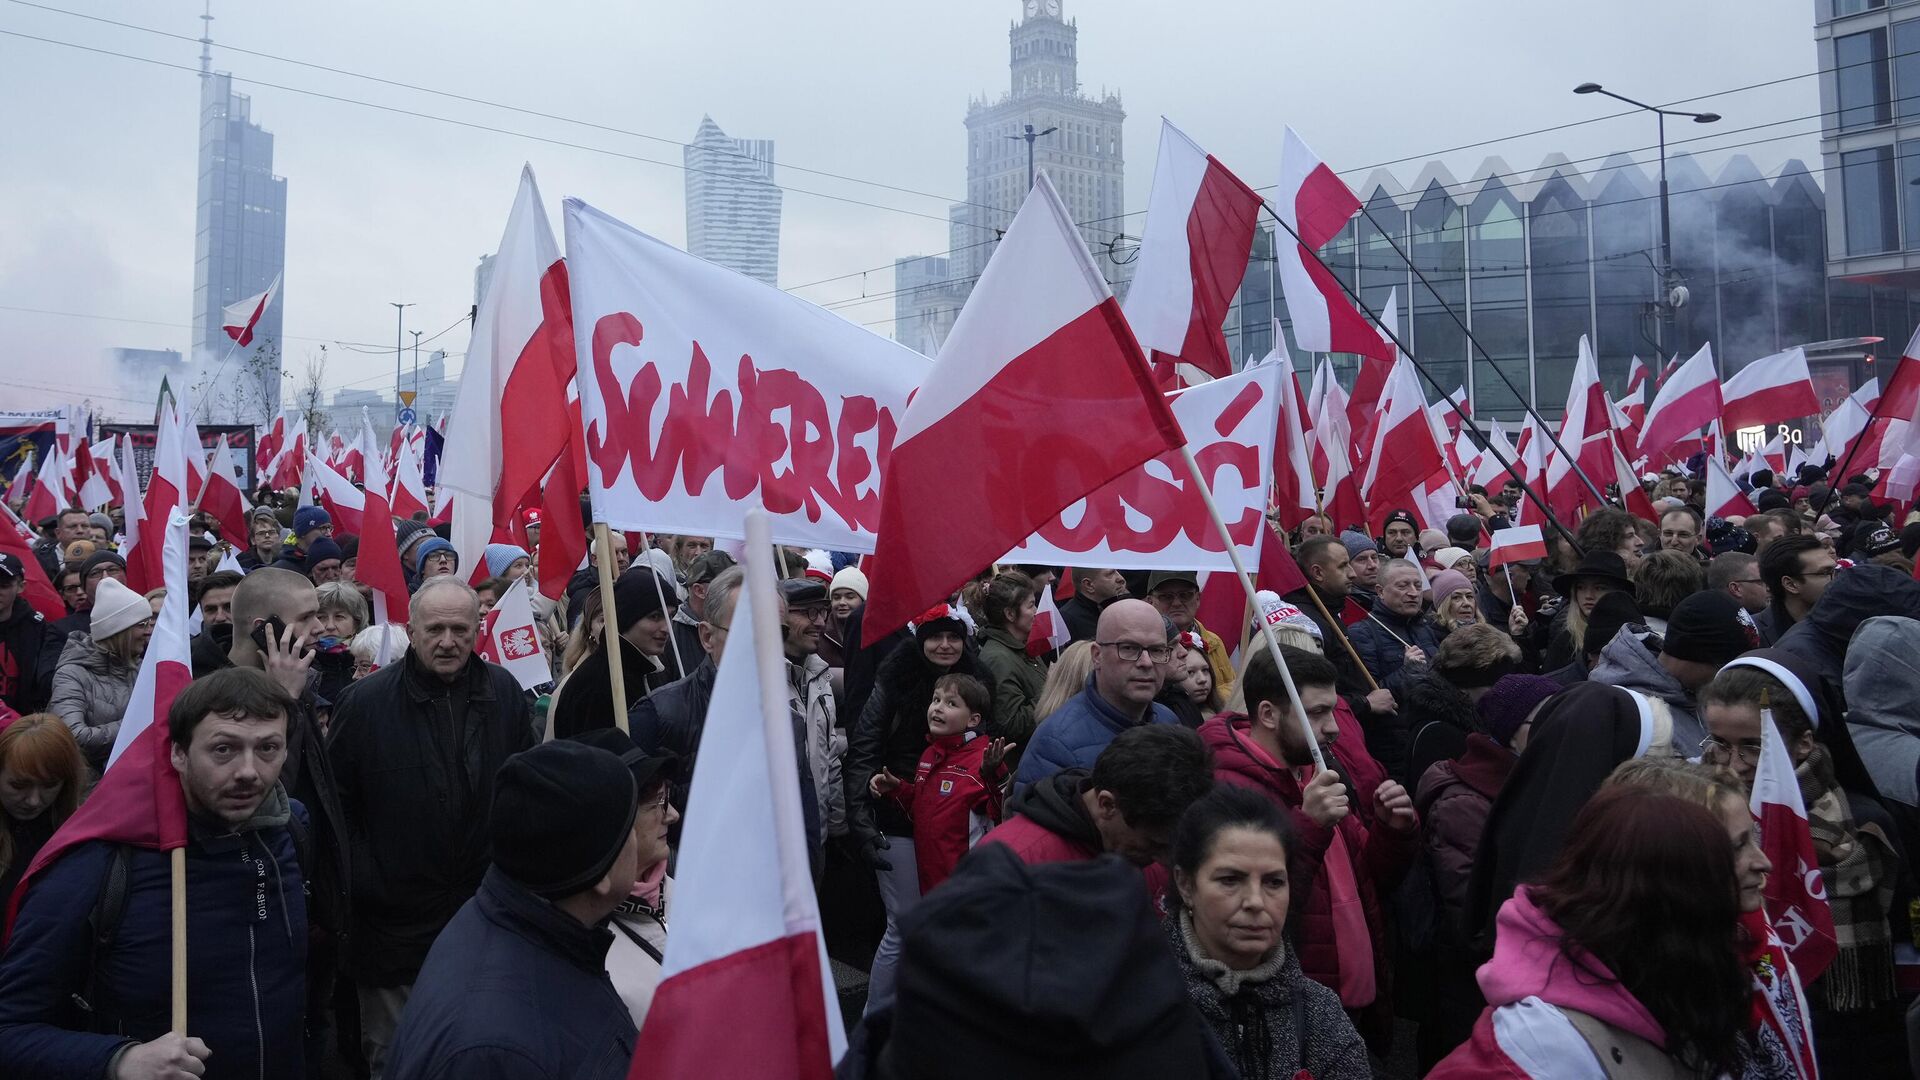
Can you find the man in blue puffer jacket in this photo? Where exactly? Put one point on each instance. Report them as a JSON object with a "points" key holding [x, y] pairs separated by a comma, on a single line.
{"points": [[1119, 694], [246, 919]]}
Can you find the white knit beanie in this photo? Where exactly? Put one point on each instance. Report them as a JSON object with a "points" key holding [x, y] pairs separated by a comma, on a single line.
{"points": [[116, 607], [849, 577]]}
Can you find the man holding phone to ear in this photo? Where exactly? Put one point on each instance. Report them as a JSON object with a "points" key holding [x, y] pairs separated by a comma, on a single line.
{"points": [[276, 617]]}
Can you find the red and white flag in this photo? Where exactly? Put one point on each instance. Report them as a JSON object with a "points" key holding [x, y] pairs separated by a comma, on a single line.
{"points": [[1796, 892], [138, 799], [364, 513], [1294, 490], [268, 447], [1521, 543], [166, 491], [130, 500], [1334, 447], [52, 487], [239, 320], [284, 471], [510, 637], [1636, 376], [1370, 381], [1452, 408], [1769, 390], [513, 391], [1040, 367], [1315, 205], [16, 539], [745, 989], [1049, 629], [1198, 233], [222, 498], [1688, 401], [1490, 471], [102, 486], [409, 496], [1586, 433], [1405, 452]]}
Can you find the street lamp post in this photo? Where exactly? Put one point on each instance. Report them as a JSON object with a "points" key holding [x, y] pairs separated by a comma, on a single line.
{"points": [[1030, 135], [1668, 302], [399, 335], [416, 363]]}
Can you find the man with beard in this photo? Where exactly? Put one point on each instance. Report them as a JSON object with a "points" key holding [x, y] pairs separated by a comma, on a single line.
{"points": [[247, 918], [214, 597]]}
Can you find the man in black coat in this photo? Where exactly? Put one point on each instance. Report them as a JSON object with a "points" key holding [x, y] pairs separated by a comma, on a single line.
{"points": [[26, 676], [414, 748], [1091, 591], [670, 719]]}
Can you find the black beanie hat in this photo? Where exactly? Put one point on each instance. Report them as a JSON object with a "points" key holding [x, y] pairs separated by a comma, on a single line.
{"points": [[1709, 627], [1055, 971], [561, 813], [638, 592], [1613, 611]]}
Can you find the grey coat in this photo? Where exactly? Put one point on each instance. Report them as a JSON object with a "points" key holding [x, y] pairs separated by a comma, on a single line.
{"points": [[90, 691], [1883, 704], [1631, 661]]}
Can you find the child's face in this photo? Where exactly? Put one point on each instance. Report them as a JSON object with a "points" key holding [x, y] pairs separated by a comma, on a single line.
{"points": [[948, 715]]}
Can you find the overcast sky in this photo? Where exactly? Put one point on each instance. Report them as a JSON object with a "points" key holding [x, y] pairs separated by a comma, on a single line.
{"points": [[97, 152]]}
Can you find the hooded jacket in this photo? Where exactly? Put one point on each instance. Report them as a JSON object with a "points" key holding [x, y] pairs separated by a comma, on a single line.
{"points": [[1048, 822], [891, 733], [952, 804], [1857, 594], [246, 971], [1453, 800], [26, 679], [1439, 718], [90, 691], [414, 760], [514, 988], [1016, 680], [1380, 856], [1530, 986], [1631, 661], [1075, 733], [1882, 674]]}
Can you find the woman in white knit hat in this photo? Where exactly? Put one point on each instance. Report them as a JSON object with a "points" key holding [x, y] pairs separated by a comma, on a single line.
{"points": [[95, 676]]}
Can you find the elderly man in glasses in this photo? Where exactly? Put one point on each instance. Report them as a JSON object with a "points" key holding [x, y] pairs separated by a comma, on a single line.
{"points": [[1131, 657]]}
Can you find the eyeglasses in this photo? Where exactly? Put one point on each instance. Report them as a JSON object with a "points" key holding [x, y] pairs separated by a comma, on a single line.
{"points": [[658, 805], [1748, 581], [1718, 749], [1129, 651]]}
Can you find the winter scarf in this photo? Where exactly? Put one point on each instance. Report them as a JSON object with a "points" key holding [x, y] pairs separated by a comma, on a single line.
{"points": [[1856, 862]]}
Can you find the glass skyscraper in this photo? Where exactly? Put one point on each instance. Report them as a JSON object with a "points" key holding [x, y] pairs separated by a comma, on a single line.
{"points": [[240, 238]]}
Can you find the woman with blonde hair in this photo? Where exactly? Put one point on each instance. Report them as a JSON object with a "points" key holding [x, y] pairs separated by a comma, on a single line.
{"points": [[41, 774], [1067, 677]]}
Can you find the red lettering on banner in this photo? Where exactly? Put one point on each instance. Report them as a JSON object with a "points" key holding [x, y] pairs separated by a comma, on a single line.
{"points": [[826, 463]]}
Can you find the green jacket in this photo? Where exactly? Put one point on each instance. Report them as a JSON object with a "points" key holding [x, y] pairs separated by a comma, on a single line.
{"points": [[1016, 681]]}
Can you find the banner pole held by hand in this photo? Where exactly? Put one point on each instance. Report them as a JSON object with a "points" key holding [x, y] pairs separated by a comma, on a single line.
{"points": [[610, 637]]}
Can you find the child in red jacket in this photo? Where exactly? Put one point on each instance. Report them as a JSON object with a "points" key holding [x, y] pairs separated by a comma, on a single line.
{"points": [[955, 794]]}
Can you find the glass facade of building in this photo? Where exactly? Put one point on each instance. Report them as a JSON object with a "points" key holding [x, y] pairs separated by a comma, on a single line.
{"points": [[1527, 263]]}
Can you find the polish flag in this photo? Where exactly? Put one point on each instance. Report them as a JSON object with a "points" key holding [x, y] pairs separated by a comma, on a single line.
{"points": [[1633, 407], [1466, 456], [1370, 381], [1040, 366], [16, 539], [1405, 452], [1199, 231], [238, 320], [1636, 376], [22, 482], [100, 488], [1795, 891], [1688, 401], [1293, 486], [1897, 484], [513, 391], [1770, 390], [1839, 428], [1452, 408], [1774, 454], [138, 800], [745, 989], [269, 445], [510, 637], [1724, 497], [1327, 411], [196, 452], [409, 487], [364, 513], [52, 487], [132, 509], [166, 494], [222, 498], [1521, 543], [1315, 205], [1586, 432], [1899, 411], [1530, 454], [1049, 629], [563, 533], [284, 471], [1672, 366], [1490, 471]]}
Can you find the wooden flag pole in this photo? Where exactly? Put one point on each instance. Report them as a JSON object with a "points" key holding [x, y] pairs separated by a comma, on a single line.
{"points": [[1340, 631], [1246, 585], [178, 856], [610, 637]]}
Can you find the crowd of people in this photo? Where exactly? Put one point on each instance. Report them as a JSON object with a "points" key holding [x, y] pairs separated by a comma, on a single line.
{"points": [[1469, 818]]}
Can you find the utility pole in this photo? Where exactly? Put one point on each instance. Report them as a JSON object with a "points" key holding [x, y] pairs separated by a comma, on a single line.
{"points": [[416, 363], [1030, 135], [399, 335], [1671, 295]]}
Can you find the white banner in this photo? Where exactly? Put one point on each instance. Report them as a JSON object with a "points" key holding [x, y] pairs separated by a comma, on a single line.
{"points": [[702, 391], [1154, 517]]}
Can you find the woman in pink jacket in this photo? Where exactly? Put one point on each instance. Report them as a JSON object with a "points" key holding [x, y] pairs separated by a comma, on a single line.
{"points": [[1624, 960]]}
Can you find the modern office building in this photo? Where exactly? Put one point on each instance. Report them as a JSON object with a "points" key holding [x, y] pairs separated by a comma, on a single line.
{"points": [[240, 234], [1077, 142], [733, 205], [1529, 261]]}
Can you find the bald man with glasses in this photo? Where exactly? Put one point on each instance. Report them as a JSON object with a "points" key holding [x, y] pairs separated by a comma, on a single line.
{"points": [[1131, 657]]}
